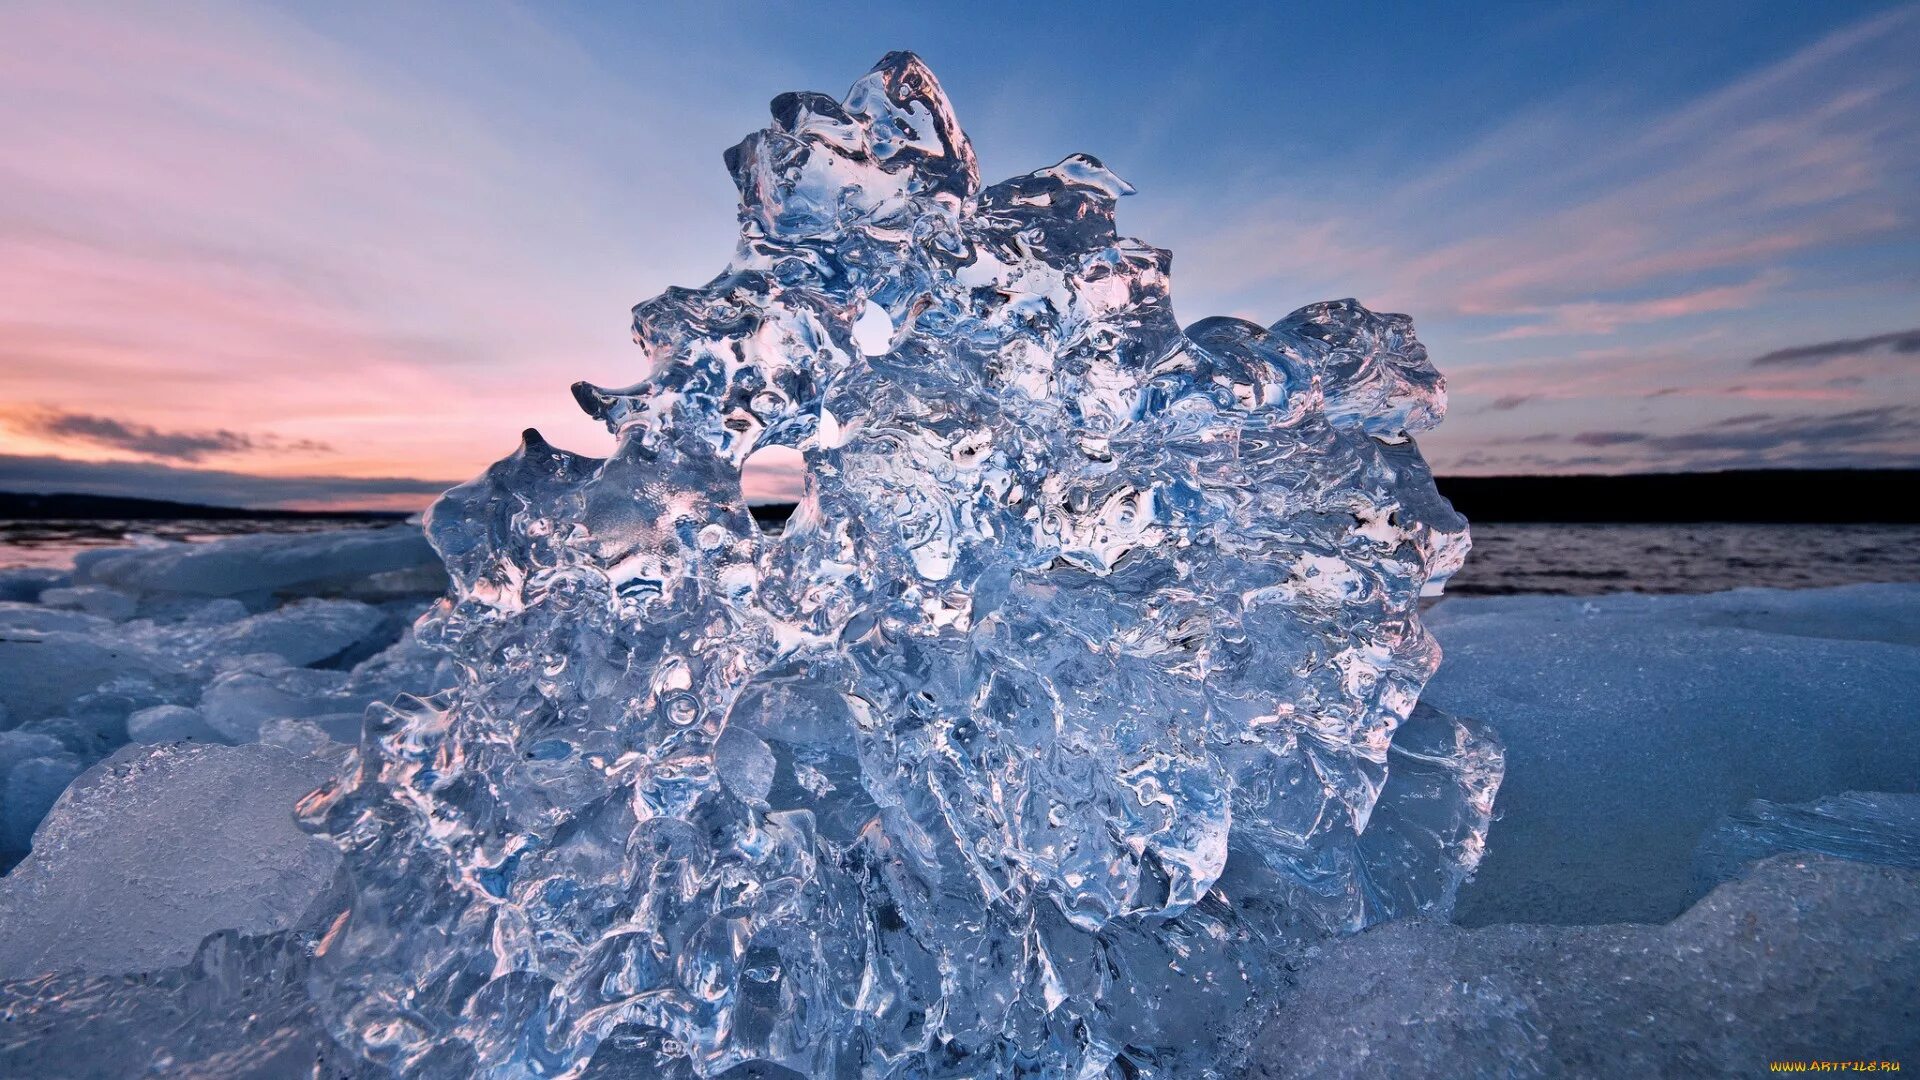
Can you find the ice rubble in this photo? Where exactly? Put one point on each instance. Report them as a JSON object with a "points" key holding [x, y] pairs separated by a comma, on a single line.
{"points": [[1637, 730], [369, 563], [1056, 715], [238, 1011], [1808, 958], [25, 584], [204, 643]]}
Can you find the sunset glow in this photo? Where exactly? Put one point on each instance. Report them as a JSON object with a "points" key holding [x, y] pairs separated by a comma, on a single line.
{"points": [[321, 257]]}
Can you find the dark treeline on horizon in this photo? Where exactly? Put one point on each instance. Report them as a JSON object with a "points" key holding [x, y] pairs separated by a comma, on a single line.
{"points": [[1747, 496], [1783, 496]]}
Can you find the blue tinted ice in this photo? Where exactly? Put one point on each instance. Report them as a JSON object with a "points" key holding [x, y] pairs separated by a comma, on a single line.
{"points": [[1865, 826], [1061, 708]]}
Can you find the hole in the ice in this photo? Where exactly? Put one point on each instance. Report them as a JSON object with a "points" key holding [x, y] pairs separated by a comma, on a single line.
{"points": [[771, 480], [873, 330], [772, 517]]}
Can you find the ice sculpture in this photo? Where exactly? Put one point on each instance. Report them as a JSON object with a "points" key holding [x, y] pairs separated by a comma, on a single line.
{"points": [[1060, 710]]}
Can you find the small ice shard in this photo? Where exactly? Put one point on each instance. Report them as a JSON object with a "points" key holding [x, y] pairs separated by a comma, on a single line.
{"points": [[1866, 826], [301, 633], [92, 599], [1062, 708], [169, 723], [154, 849], [301, 738], [237, 702]]}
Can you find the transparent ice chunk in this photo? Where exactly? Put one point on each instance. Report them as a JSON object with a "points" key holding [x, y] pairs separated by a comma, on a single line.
{"points": [[1866, 826], [1078, 690], [169, 723], [238, 1009]]}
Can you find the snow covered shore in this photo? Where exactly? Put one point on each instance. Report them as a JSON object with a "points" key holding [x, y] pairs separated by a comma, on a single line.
{"points": [[165, 708]]}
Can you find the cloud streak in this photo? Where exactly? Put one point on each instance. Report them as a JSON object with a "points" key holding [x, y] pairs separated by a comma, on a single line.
{"points": [[1592, 317], [1893, 427], [1904, 342], [1580, 216], [149, 441]]}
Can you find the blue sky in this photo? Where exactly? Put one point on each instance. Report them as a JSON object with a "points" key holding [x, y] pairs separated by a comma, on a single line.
{"points": [[321, 244]]}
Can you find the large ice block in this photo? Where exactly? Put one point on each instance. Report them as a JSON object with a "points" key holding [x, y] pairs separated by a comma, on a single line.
{"points": [[156, 848], [1064, 705]]}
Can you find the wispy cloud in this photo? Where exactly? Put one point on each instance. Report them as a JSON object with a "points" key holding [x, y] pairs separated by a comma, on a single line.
{"points": [[150, 441], [1905, 342], [1589, 317], [1863, 432], [1604, 438], [1592, 213]]}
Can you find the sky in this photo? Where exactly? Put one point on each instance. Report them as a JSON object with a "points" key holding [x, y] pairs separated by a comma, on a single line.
{"points": [[340, 255]]}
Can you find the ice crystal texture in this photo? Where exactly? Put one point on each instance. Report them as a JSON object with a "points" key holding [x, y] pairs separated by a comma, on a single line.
{"points": [[1058, 712]]}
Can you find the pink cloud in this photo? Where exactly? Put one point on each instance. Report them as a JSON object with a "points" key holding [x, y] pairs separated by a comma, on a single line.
{"points": [[1606, 316]]}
